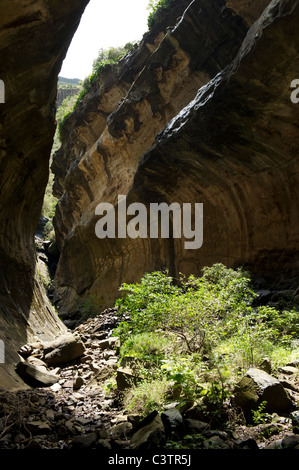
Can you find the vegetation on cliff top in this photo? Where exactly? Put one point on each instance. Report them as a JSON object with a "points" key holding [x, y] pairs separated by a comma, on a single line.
{"points": [[110, 56], [157, 9]]}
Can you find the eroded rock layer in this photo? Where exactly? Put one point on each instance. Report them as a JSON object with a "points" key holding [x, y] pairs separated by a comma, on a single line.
{"points": [[34, 37], [234, 148]]}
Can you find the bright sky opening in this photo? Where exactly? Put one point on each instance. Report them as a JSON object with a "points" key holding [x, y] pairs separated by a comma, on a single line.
{"points": [[104, 24]]}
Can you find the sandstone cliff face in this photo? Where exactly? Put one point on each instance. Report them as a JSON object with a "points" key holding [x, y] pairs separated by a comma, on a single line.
{"points": [[233, 147], [107, 135], [34, 37]]}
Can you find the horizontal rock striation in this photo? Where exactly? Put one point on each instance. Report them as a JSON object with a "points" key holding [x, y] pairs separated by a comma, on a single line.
{"points": [[34, 37]]}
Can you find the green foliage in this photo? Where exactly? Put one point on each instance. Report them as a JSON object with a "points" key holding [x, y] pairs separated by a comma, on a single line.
{"points": [[106, 58], [207, 312], [184, 377], [157, 8], [196, 311], [146, 346], [139, 400], [259, 416], [65, 110], [145, 302], [198, 335]]}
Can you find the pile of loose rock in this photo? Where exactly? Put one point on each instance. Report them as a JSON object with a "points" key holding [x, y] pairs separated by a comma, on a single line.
{"points": [[66, 404]]}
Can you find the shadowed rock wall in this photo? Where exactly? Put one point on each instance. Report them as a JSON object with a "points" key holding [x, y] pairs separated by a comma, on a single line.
{"points": [[34, 37]]}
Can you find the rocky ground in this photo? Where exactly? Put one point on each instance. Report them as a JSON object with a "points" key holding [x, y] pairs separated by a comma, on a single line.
{"points": [[66, 405]]}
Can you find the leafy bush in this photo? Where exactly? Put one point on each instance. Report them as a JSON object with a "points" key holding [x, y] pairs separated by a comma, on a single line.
{"points": [[206, 312], [196, 311], [146, 346], [138, 399], [145, 302], [198, 335]]}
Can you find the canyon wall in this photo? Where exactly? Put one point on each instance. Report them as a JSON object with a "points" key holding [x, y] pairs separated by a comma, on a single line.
{"points": [[200, 111], [34, 38]]}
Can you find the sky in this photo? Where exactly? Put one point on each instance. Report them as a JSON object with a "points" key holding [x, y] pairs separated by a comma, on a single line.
{"points": [[104, 24]]}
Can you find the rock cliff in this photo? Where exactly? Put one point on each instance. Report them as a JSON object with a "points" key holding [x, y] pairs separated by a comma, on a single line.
{"points": [[34, 37], [200, 111]]}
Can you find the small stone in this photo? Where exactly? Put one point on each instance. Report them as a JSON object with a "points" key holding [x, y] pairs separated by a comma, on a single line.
{"points": [[109, 343], [246, 444], [67, 384], [38, 427], [194, 426], [83, 421], [295, 418], [64, 349], [275, 444], [266, 366], [288, 370], [35, 375], [125, 378], [258, 386], [55, 387], [50, 414], [78, 382]]}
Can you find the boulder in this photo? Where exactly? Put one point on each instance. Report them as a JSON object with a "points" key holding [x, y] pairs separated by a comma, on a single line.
{"points": [[290, 442], [258, 386], [78, 382], [66, 348], [109, 343], [35, 375], [246, 444], [38, 427], [151, 436], [173, 422], [128, 373], [194, 426], [288, 370]]}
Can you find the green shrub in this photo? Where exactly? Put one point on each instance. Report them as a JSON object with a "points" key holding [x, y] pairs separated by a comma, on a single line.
{"points": [[146, 397], [213, 312], [147, 346]]}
